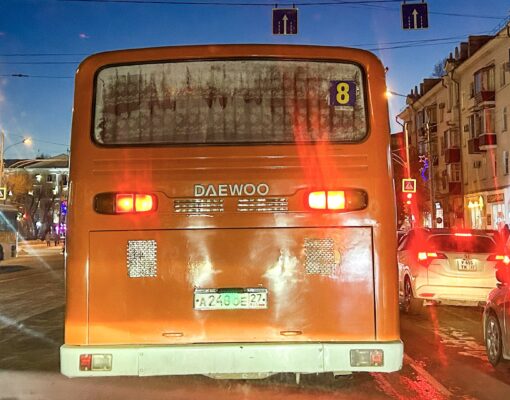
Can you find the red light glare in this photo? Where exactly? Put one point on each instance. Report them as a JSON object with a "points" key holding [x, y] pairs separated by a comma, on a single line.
{"points": [[317, 200], [144, 202], [336, 200], [124, 203]]}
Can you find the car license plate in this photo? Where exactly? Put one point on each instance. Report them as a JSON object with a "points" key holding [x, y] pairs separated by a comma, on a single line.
{"points": [[230, 299], [466, 265]]}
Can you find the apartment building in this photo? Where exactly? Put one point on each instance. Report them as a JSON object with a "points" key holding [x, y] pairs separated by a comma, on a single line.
{"points": [[459, 125]]}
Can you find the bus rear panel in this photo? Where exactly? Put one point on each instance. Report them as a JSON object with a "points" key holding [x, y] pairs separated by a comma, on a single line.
{"points": [[231, 214]]}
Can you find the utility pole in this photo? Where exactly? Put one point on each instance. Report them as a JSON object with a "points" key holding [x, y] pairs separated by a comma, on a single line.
{"points": [[2, 140]]}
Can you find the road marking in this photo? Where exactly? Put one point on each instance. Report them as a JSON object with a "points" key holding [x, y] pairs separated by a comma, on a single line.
{"points": [[385, 386], [425, 375]]}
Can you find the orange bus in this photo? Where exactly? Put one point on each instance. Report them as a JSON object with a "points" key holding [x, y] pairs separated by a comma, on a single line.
{"points": [[231, 214]]}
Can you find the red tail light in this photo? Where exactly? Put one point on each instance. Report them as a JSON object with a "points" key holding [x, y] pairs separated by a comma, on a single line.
{"points": [[338, 200], [124, 203], [500, 259], [426, 257]]}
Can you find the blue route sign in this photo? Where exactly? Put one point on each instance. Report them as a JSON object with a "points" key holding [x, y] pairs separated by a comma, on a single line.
{"points": [[284, 21], [415, 16]]}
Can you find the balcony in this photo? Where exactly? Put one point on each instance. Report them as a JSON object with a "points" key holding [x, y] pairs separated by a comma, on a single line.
{"points": [[485, 98], [474, 146], [454, 187], [487, 141], [452, 155]]}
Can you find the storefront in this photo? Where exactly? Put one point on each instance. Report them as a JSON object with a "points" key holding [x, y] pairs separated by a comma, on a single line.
{"points": [[487, 210], [475, 206]]}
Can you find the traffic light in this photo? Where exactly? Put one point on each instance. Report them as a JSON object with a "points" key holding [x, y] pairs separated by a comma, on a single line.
{"points": [[409, 200]]}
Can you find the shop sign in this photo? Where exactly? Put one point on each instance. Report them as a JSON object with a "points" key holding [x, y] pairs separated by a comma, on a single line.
{"points": [[496, 198]]}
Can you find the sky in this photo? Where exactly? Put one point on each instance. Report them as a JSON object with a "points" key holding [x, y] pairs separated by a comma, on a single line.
{"points": [[44, 41]]}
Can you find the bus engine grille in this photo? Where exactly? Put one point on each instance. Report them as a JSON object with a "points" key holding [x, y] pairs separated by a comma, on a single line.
{"points": [[319, 256], [198, 206], [263, 204]]}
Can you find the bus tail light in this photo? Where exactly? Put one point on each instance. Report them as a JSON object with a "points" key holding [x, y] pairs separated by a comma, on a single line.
{"points": [[124, 203], [426, 257], [95, 362], [338, 200], [367, 358]]}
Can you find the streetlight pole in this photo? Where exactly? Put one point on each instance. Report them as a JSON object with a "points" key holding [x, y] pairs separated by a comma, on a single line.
{"points": [[4, 149]]}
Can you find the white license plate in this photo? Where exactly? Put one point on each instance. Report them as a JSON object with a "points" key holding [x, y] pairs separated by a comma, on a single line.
{"points": [[466, 265], [230, 299]]}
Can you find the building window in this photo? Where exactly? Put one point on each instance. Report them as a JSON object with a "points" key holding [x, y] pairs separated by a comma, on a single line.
{"points": [[453, 172], [484, 80], [64, 180], [502, 75], [505, 119], [49, 178], [505, 162]]}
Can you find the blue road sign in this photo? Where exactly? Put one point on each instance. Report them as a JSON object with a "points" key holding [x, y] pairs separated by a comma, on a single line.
{"points": [[284, 21], [415, 16]]}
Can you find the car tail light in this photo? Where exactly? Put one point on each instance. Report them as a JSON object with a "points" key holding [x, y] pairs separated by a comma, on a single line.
{"points": [[337, 200], [426, 257], [124, 203], [500, 259]]}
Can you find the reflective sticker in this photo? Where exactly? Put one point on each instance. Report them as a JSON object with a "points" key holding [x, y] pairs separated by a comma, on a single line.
{"points": [[342, 93]]}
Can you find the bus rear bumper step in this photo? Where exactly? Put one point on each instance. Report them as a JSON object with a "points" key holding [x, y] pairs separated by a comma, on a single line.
{"points": [[235, 359]]}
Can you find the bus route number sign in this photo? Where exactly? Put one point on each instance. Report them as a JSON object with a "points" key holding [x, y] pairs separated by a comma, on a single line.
{"points": [[342, 93]]}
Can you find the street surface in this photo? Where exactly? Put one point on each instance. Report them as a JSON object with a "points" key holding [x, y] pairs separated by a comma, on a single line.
{"points": [[444, 354]]}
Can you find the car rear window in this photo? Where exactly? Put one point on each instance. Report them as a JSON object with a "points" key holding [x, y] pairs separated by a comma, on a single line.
{"points": [[462, 244]]}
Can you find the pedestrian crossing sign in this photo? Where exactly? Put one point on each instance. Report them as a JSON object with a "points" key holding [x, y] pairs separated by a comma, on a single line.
{"points": [[408, 185], [3, 193]]}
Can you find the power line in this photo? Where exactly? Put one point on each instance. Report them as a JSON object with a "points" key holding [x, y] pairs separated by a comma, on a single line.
{"points": [[366, 3], [235, 4], [35, 76]]}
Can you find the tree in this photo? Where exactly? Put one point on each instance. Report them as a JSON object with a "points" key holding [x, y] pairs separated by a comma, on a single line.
{"points": [[439, 71]]}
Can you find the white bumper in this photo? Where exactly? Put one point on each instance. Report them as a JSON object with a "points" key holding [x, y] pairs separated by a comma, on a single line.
{"points": [[230, 358]]}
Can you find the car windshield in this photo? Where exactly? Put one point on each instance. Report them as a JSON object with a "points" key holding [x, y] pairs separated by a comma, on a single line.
{"points": [[462, 244]]}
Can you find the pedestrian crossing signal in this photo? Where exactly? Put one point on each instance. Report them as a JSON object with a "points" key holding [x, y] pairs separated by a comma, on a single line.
{"points": [[409, 185], [3, 193]]}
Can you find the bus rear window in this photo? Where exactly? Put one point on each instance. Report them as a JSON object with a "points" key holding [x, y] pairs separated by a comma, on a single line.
{"points": [[230, 102]]}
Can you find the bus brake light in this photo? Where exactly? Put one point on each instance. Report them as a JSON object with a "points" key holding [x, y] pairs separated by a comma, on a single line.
{"points": [[124, 203], [327, 200], [338, 200]]}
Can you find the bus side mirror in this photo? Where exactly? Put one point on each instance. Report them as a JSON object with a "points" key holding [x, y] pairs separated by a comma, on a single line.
{"points": [[503, 275]]}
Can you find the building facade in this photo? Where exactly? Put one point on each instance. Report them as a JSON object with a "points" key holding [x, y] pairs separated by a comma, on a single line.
{"points": [[39, 188], [459, 123]]}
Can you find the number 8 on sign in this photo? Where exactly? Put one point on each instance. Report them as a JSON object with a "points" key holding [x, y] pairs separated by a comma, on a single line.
{"points": [[342, 93]]}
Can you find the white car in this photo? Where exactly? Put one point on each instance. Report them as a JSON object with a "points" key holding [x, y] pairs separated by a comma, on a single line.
{"points": [[447, 266]]}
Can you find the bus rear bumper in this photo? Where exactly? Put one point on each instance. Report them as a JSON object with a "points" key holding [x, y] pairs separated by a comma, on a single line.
{"points": [[239, 360]]}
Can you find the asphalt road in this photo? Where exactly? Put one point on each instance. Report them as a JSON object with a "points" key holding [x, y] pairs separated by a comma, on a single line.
{"points": [[444, 354]]}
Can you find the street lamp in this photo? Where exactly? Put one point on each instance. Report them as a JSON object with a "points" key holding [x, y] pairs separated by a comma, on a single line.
{"points": [[390, 93], [26, 141]]}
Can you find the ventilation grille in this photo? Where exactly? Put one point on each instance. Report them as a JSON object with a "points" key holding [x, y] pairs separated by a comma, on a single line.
{"points": [[319, 256], [198, 206], [141, 258], [261, 204]]}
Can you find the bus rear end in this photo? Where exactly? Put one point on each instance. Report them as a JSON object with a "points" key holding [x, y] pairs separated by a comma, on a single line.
{"points": [[231, 214]]}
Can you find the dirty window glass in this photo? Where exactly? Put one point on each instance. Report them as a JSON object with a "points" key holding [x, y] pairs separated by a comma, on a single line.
{"points": [[223, 102]]}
